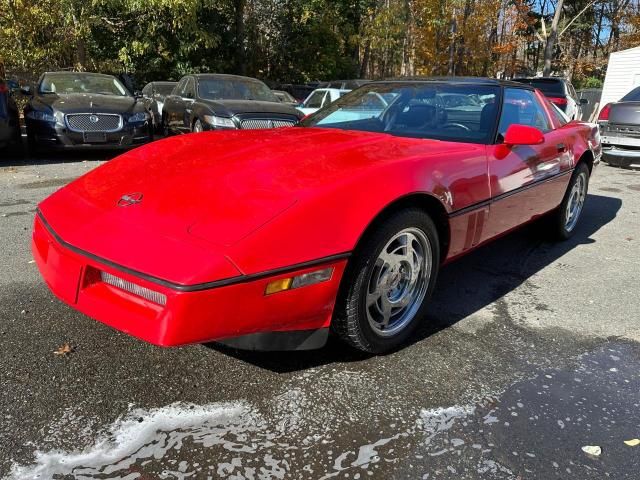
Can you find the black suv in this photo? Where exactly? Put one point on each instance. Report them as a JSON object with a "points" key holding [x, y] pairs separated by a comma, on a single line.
{"points": [[559, 91], [9, 119]]}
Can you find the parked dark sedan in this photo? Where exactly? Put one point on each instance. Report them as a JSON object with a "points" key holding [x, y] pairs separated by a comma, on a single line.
{"points": [[559, 91], [620, 131], [85, 110], [207, 102], [9, 120], [154, 94]]}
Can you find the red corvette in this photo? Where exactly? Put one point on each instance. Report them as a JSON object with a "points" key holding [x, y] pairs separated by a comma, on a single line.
{"points": [[268, 239]]}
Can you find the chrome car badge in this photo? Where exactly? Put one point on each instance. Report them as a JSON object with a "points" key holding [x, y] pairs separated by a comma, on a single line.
{"points": [[130, 199], [94, 119]]}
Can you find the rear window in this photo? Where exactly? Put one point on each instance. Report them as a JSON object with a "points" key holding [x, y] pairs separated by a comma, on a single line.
{"points": [[546, 86], [632, 96]]}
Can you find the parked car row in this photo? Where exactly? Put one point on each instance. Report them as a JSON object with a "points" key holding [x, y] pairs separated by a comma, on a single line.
{"points": [[91, 110], [68, 110]]}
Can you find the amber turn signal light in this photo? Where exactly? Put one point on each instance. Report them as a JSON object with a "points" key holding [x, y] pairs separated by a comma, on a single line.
{"points": [[303, 280]]}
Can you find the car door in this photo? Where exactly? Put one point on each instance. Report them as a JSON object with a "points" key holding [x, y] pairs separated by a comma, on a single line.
{"points": [[188, 97], [174, 106], [525, 180], [575, 101]]}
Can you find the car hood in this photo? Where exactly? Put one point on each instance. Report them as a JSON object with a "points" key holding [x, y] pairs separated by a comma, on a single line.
{"points": [[84, 102], [229, 108], [202, 194]]}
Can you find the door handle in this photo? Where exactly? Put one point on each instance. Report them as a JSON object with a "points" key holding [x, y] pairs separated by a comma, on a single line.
{"points": [[561, 147]]}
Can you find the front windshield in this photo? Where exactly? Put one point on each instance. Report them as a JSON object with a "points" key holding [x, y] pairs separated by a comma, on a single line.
{"points": [[234, 89], [68, 83], [462, 113], [163, 89]]}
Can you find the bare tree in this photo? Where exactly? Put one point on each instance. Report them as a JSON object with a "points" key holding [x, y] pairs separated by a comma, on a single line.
{"points": [[551, 39]]}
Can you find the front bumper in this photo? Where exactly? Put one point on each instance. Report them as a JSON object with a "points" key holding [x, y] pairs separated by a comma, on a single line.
{"points": [[57, 136], [235, 309]]}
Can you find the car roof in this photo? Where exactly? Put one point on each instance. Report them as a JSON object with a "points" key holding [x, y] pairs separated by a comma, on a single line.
{"points": [[222, 76], [79, 73], [325, 89], [456, 80], [541, 79]]}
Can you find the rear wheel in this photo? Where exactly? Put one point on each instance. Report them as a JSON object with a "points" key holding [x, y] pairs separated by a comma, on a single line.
{"points": [[566, 217], [388, 283]]}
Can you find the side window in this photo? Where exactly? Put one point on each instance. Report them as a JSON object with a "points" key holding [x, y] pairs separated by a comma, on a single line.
{"points": [[315, 100], [146, 91], [180, 87], [558, 114], [327, 100], [189, 90], [522, 107]]}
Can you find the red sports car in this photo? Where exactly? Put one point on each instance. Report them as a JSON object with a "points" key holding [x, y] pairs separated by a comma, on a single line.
{"points": [[269, 239]]}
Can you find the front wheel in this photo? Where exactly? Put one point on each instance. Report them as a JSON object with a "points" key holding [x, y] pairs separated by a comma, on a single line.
{"points": [[566, 217], [388, 283], [197, 126]]}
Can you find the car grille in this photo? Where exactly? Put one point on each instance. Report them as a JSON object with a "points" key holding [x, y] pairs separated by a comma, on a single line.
{"points": [[94, 122], [259, 123]]}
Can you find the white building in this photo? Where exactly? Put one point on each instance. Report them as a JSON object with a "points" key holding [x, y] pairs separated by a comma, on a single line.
{"points": [[623, 74]]}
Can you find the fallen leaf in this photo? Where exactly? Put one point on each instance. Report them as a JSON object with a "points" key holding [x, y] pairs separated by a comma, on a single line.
{"points": [[594, 450], [632, 443], [65, 349]]}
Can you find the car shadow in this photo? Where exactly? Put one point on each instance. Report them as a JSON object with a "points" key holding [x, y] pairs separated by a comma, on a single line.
{"points": [[20, 155], [464, 286]]}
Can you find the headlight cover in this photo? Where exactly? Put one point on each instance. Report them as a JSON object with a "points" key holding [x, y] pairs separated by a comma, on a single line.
{"points": [[139, 117], [219, 122], [41, 116]]}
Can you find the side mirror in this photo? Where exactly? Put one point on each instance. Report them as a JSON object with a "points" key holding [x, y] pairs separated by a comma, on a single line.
{"points": [[138, 94], [26, 91], [523, 135], [583, 101]]}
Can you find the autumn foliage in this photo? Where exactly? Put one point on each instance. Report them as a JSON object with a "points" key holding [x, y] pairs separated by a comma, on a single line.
{"points": [[303, 40]]}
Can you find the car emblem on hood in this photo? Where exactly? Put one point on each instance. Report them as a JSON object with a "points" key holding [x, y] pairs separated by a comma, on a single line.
{"points": [[93, 119], [130, 199]]}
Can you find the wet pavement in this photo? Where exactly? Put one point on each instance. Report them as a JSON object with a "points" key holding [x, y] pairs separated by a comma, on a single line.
{"points": [[529, 353]]}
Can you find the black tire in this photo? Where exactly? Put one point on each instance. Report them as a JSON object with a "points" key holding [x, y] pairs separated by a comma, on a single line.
{"points": [[560, 228], [351, 322], [33, 149], [165, 127]]}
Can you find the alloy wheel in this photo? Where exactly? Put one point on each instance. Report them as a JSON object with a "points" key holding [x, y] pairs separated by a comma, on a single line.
{"points": [[398, 282], [576, 201]]}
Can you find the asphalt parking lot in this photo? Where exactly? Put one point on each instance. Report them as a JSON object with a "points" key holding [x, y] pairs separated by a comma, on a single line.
{"points": [[529, 353]]}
